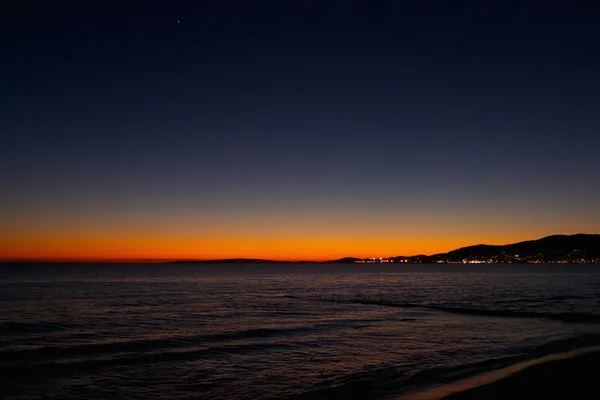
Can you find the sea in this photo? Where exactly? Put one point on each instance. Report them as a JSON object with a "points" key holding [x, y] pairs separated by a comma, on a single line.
{"points": [[281, 331]]}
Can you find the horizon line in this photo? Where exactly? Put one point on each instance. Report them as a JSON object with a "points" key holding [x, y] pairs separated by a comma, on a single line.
{"points": [[134, 260]]}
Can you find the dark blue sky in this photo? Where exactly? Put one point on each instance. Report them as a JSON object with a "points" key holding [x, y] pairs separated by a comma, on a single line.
{"points": [[465, 112]]}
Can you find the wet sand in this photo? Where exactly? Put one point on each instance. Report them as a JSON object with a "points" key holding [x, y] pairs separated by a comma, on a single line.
{"points": [[573, 375]]}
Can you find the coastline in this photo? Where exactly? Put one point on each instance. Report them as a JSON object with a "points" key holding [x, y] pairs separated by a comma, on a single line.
{"points": [[559, 375]]}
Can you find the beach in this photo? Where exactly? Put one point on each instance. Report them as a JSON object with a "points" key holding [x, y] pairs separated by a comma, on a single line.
{"points": [[569, 375]]}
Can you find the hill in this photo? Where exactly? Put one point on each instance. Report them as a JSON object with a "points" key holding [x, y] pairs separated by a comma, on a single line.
{"points": [[579, 248], [555, 248], [224, 261]]}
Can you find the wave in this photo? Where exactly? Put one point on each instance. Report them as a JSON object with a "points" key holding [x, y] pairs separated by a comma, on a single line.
{"points": [[565, 316], [394, 380], [566, 297], [383, 380], [173, 342], [33, 327], [54, 367]]}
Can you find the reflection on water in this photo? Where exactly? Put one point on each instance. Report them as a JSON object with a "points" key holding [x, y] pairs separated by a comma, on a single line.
{"points": [[279, 330]]}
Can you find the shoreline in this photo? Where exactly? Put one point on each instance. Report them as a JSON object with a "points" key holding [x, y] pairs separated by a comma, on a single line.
{"points": [[559, 375]]}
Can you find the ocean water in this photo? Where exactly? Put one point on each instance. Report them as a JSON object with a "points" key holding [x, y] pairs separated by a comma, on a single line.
{"points": [[280, 331]]}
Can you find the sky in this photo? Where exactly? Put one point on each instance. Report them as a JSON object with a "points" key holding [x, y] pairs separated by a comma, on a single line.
{"points": [[295, 130]]}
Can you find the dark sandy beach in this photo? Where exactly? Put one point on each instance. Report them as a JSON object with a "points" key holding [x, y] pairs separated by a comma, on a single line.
{"points": [[574, 377]]}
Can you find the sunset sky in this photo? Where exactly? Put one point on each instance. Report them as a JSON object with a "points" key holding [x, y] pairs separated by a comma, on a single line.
{"points": [[296, 130]]}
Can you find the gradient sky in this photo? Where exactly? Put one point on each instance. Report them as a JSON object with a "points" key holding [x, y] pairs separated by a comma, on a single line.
{"points": [[296, 130]]}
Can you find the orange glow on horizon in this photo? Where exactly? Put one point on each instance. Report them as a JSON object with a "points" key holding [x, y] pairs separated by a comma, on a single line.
{"points": [[155, 249], [74, 237]]}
